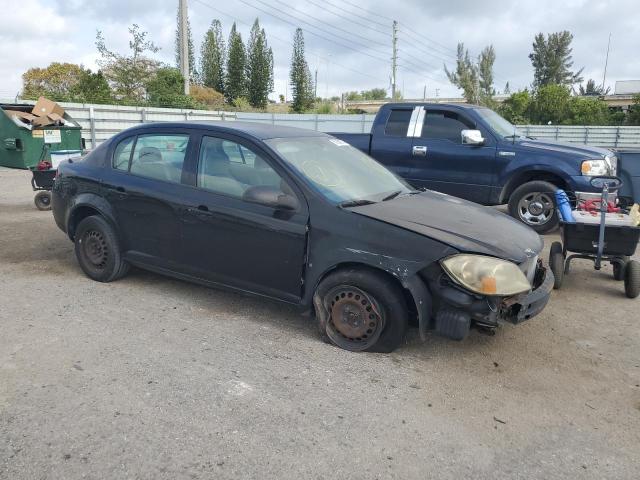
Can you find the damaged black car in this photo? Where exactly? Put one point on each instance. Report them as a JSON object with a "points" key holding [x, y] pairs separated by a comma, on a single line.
{"points": [[300, 217]]}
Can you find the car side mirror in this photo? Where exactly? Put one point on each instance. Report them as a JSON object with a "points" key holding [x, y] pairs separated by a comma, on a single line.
{"points": [[472, 137], [270, 197]]}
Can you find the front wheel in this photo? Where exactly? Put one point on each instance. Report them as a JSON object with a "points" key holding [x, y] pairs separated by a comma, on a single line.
{"points": [[533, 204], [42, 200], [361, 310], [556, 263], [98, 251]]}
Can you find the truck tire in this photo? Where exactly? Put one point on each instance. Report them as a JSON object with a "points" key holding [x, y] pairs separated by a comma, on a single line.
{"points": [[533, 203]]}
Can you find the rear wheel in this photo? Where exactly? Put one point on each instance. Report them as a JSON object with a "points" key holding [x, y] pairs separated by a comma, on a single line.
{"points": [[632, 279], [43, 200], [556, 262], [533, 204], [98, 251], [361, 310], [619, 268]]}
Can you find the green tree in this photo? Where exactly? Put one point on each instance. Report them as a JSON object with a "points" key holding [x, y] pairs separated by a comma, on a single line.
{"points": [[587, 111], [57, 81], [374, 94], [92, 88], [300, 76], [516, 107], [465, 76], [235, 80], [507, 89], [552, 60], [259, 68], [128, 74], [193, 71], [213, 57], [633, 115], [592, 89], [550, 104], [166, 89], [486, 59]]}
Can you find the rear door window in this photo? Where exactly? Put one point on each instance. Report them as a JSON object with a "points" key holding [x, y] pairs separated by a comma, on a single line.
{"points": [[443, 125], [398, 123], [159, 156], [122, 155]]}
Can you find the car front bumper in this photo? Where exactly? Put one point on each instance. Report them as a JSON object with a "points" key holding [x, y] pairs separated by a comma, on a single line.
{"points": [[518, 309]]}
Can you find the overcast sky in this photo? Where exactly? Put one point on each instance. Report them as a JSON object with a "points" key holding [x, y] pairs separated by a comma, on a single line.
{"points": [[349, 45]]}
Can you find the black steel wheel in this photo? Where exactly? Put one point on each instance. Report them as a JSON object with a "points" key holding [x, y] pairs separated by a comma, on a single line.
{"points": [[98, 251], [556, 262], [619, 268], [533, 203], [361, 310], [43, 200], [632, 279]]}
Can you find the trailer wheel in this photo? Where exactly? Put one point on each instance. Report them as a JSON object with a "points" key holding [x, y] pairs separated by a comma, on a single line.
{"points": [[632, 279], [619, 268], [43, 200], [556, 262]]}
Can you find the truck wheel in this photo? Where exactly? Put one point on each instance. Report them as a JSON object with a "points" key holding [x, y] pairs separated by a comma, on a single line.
{"points": [[556, 263], [361, 310], [98, 251], [632, 279], [533, 204], [43, 200]]}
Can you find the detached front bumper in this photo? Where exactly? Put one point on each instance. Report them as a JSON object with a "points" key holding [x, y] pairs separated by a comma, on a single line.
{"points": [[451, 311]]}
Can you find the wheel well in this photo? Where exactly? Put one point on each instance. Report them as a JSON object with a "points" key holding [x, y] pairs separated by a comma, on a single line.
{"points": [[77, 216], [411, 304], [530, 177]]}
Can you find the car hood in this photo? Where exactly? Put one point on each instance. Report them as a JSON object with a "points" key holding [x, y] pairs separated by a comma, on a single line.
{"points": [[567, 148], [465, 226]]}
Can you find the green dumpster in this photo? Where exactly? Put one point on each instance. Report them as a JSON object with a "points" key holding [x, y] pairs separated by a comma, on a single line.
{"points": [[23, 146]]}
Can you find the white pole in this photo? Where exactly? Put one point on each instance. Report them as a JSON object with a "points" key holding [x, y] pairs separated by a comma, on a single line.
{"points": [[184, 45]]}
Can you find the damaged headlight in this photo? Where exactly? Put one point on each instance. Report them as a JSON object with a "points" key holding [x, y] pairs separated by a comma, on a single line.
{"points": [[486, 275]]}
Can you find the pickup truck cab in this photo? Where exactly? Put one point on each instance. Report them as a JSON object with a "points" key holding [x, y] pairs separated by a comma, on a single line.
{"points": [[473, 153]]}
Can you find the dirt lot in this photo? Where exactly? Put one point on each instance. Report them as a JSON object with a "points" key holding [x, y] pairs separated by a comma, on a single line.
{"points": [[150, 378]]}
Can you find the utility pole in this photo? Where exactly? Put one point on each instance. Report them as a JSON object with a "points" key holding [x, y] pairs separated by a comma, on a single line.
{"points": [[184, 44], [424, 94], [606, 63], [394, 59]]}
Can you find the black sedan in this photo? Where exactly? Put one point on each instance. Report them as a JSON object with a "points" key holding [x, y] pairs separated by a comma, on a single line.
{"points": [[301, 217]]}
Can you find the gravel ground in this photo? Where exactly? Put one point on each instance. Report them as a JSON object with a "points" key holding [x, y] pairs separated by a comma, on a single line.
{"points": [[154, 378]]}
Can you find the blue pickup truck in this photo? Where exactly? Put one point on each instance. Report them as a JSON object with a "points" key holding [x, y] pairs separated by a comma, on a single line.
{"points": [[473, 153]]}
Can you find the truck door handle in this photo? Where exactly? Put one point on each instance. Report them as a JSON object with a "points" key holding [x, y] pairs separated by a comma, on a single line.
{"points": [[200, 210], [419, 151]]}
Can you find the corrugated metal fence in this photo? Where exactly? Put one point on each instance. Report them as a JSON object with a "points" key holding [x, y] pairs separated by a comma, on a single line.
{"points": [[100, 122]]}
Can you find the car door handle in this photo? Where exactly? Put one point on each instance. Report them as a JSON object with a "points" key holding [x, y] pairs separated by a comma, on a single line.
{"points": [[200, 210], [419, 151]]}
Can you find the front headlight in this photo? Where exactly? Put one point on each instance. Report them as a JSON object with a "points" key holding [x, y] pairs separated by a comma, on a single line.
{"points": [[486, 275], [598, 168]]}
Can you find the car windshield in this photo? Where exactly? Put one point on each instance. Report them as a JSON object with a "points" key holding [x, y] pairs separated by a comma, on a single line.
{"points": [[340, 172], [499, 125]]}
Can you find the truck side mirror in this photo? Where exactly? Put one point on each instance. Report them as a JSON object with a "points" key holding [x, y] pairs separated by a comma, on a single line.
{"points": [[472, 137]]}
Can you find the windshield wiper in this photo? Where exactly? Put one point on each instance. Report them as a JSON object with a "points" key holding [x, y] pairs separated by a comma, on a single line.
{"points": [[356, 203], [391, 196]]}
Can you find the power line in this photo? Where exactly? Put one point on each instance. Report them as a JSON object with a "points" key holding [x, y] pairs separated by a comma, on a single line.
{"points": [[348, 32], [288, 42], [313, 33], [386, 25], [355, 22]]}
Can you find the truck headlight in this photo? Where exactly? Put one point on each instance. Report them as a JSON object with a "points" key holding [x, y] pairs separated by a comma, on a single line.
{"points": [[486, 275], [601, 167]]}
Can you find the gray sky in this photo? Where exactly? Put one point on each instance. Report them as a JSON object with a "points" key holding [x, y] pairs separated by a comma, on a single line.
{"points": [[348, 42]]}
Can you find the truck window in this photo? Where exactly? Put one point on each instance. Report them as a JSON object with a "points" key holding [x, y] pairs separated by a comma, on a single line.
{"points": [[398, 123], [444, 125]]}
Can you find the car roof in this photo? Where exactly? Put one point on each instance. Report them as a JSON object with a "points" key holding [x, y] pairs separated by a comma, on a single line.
{"points": [[465, 106], [260, 131]]}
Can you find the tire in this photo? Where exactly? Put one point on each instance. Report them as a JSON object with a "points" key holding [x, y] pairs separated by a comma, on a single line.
{"points": [[632, 279], [43, 200], [357, 294], [98, 251], [556, 263], [618, 269], [533, 203]]}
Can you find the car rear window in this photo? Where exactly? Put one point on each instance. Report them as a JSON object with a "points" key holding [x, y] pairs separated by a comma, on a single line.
{"points": [[157, 156], [398, 123]]}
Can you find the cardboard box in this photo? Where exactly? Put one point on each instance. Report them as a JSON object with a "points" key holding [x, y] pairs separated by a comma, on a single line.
{"points": [[44, 107], [24, 116]]}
